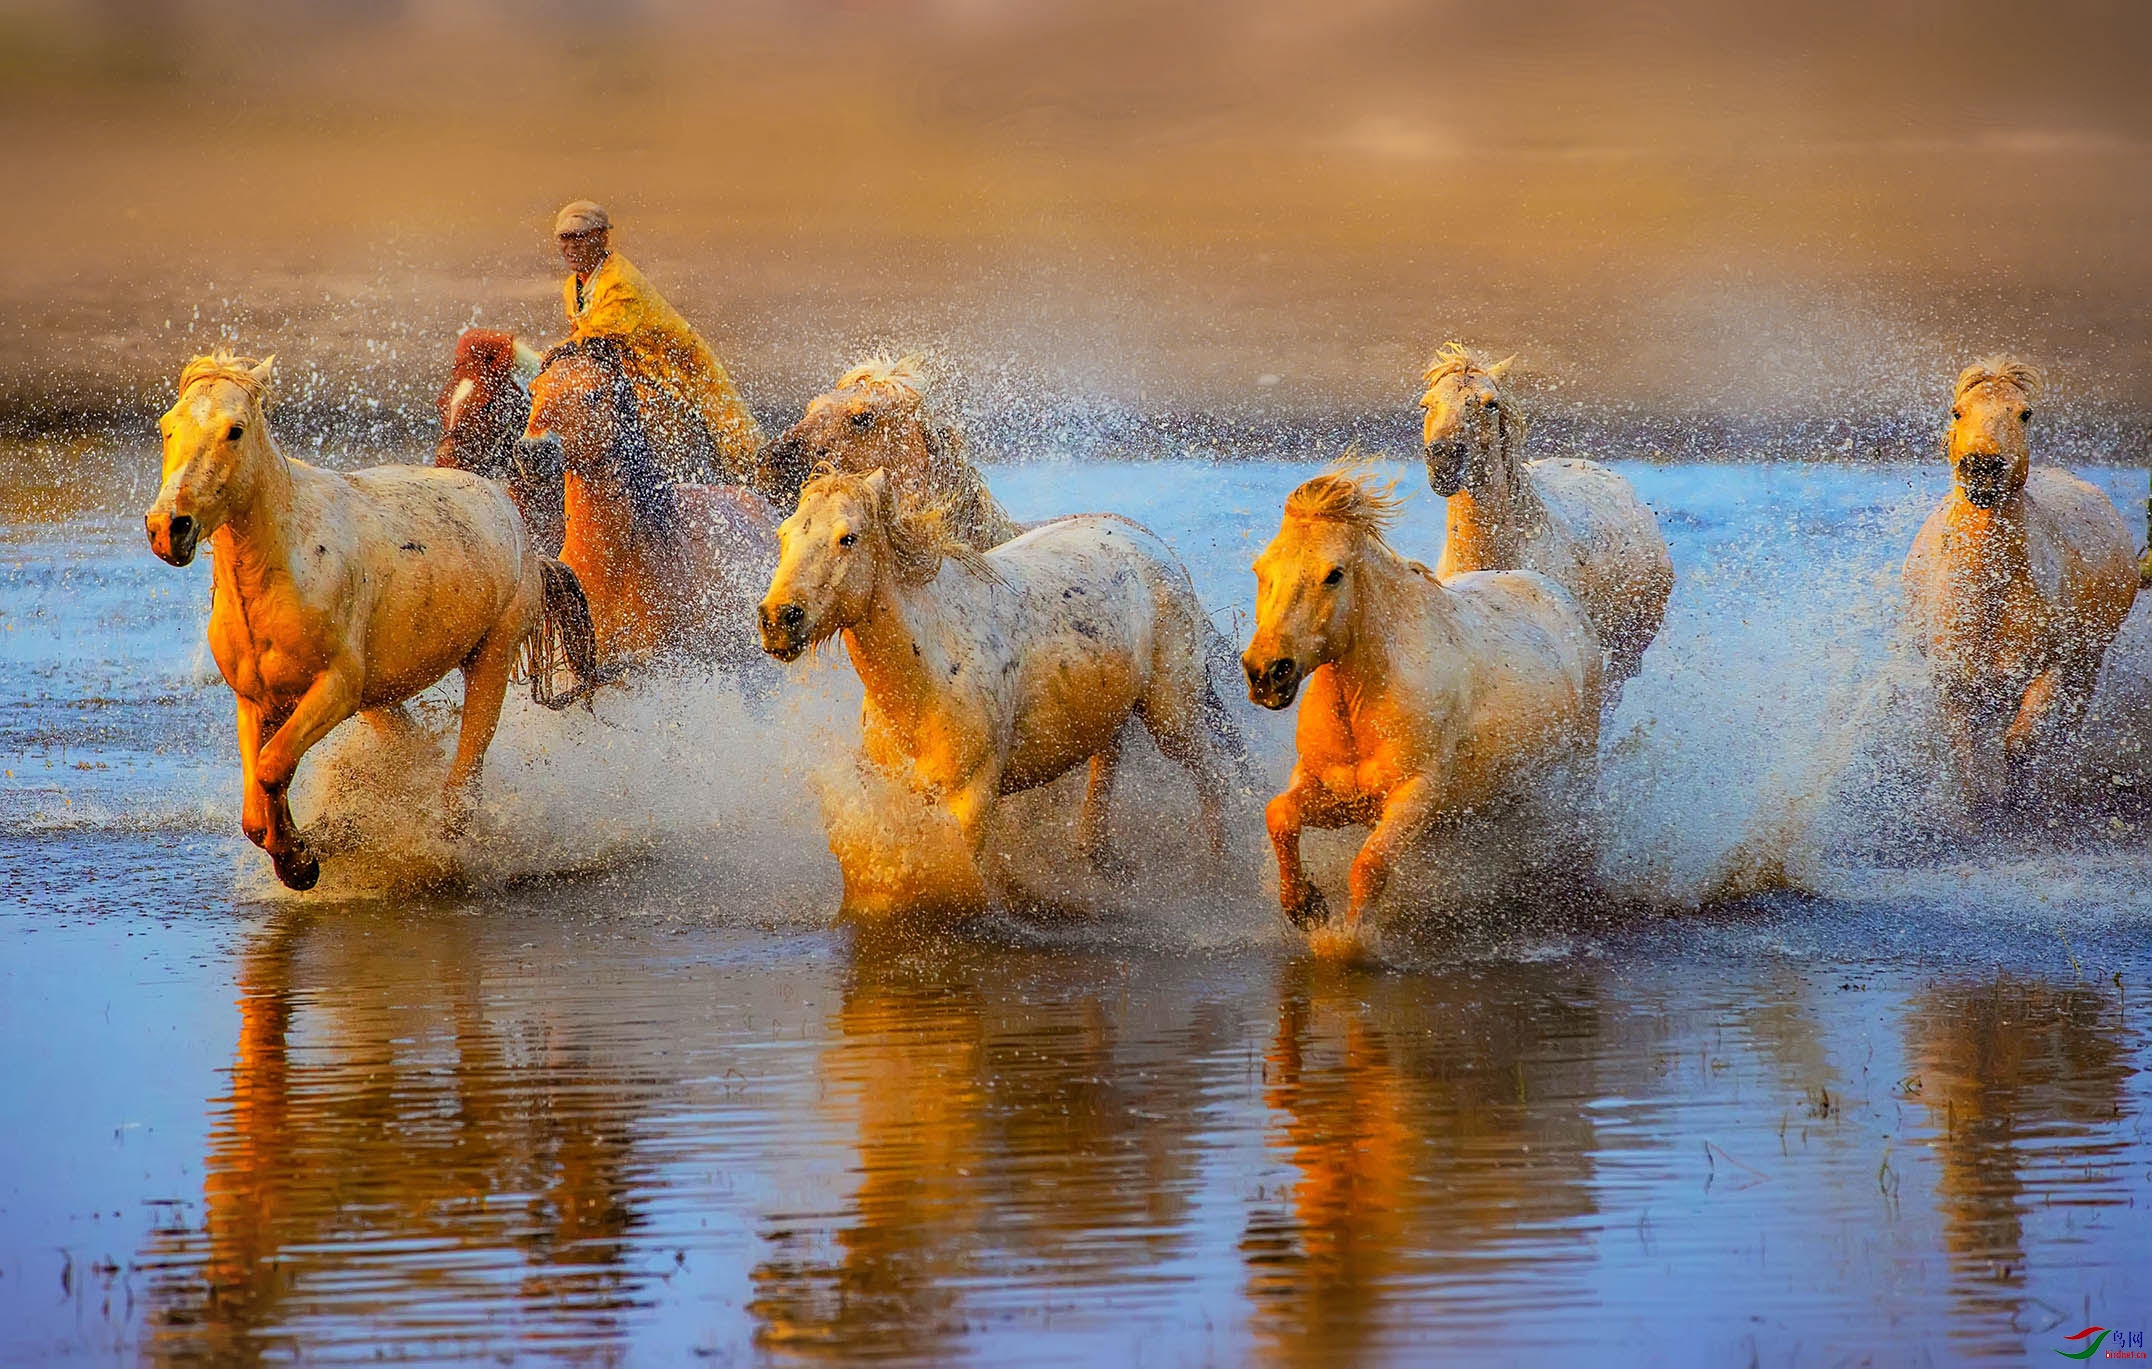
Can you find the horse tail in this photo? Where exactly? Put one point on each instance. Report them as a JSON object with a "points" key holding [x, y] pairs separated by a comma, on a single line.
{"points": [[1221, 662], [563, 636]]}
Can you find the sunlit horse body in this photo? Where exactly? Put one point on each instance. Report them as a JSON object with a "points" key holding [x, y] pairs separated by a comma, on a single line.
{"points": [[484, 407], [876, 419], [988, 674], [1574, 521], [2015, 587], [672, 572], [1425, 699], [336, 594]]}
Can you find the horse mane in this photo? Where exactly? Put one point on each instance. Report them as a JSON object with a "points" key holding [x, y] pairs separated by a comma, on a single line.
{"points": [[881, 369], [2002, 370], [918, 536], [1454, 358], [652, 502], [223, 365], [1350, 492]]}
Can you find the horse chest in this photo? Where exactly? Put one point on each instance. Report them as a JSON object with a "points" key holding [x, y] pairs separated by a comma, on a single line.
{"points": [[269, 648]]}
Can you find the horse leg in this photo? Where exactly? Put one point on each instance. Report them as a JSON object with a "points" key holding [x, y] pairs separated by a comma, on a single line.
{"points": [[1186, 737], [1091, 836], [1969, 727], [331, 698], [485, 685], [971, 805], [1305, 803], [257, 812], [1405, 815], [2053, 704]]}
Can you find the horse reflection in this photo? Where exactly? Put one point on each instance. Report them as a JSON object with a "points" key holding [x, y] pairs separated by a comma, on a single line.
{"points": [[1422, 1130], [994, 1130], [356, 1120], [2014, 1075]]}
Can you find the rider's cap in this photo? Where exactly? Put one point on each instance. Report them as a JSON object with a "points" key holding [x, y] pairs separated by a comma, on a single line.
{"points": [[583, 216]]}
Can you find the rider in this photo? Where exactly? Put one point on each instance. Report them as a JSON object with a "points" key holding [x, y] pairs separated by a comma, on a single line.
{"points": [[679, 380]]}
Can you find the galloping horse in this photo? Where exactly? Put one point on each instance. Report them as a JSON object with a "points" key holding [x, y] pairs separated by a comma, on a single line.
{"points": [[876, 419], [1576, 522], [1426, 698], [2015, 586], [991, 673], [337, 594], [671, 571], [484, 407]]}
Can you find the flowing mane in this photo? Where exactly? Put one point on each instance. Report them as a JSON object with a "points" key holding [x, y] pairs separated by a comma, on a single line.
{"points": [[1999, 370], [222, 365], [1454, 358], [919, 539], [882, 370], [1349, 493], [651, 498]]}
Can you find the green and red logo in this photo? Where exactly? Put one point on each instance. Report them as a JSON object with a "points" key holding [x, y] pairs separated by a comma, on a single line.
{"points": [[2120, 1344]]}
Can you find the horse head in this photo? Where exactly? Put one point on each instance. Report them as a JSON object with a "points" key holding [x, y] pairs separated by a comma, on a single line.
{"points": [[1308, 581], [582, 397], [1471, 427], [1987, 442], [216, 447], [848, 534], [484, 406], [875, 418]]}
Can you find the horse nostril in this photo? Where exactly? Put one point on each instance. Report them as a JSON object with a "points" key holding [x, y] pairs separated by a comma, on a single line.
{"points": [[180, 528], [791, 616]]}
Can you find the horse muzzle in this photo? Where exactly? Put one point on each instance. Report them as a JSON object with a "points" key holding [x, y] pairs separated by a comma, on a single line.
{"points": [[1445, 467], [1985, 478], [173, 537], [784, 630], [1272, 684]]}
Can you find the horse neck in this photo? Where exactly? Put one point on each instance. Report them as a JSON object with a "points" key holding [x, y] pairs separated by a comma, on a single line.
{"points": [[1994, 538], [1488, 524], [255, 540], [1394, 595], [894, 645]]}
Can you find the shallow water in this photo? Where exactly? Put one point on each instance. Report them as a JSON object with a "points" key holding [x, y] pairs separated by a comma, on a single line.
{"points": [[619, 1090]]}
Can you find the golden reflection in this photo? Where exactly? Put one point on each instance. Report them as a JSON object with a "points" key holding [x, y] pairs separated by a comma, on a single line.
{"points": [[2002, 1067], [1426, 1122], [420, 1109], [995, 1128]]}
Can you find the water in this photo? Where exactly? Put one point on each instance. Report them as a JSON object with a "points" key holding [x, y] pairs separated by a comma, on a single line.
{"points": [[1815, 1080]]}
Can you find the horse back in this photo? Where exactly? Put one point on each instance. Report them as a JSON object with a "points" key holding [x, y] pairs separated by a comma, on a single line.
{"points": [[1529, 644]]}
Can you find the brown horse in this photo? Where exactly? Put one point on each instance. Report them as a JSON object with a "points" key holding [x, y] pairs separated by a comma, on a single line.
{"points": [[484, 407], [673, 572], [876, 419]]}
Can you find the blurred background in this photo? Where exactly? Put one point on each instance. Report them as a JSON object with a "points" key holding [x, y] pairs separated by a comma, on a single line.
{"points": [[1123, 227]]}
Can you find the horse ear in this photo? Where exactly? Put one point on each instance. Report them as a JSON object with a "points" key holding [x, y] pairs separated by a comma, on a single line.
{"points": [[1501, 368], [263, 370], [877, 483]]}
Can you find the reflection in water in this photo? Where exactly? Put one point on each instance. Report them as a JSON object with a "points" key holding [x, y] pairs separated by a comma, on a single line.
{"points": [[1429, 1123], [2023, 1082], [1008, 1120], [381, 1145]]}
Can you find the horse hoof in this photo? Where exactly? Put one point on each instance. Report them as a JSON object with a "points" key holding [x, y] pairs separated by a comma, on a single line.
{"points": [[1312, 911], [298, 870]]}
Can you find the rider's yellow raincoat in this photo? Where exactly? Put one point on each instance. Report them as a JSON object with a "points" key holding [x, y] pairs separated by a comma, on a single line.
{"points": [[677, 377]]}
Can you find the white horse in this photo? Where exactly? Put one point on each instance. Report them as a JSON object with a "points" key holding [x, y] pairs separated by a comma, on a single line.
{"points": [[337, 594], [2015, 587], [991, 673], [1426, 699], [1576, 522]]}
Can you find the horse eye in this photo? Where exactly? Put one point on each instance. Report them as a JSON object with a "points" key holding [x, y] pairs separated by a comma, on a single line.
{"points": [[1336, 575], [1957, 413], [2024, 415], [848, 539], [863, 419], [236, 433]]}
